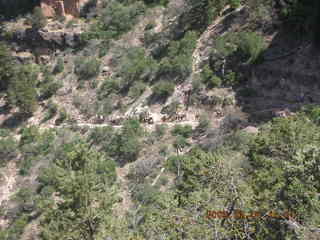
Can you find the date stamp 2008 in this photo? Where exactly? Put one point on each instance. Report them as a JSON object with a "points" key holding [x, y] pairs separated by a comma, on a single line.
{"points": [[239, 214]]}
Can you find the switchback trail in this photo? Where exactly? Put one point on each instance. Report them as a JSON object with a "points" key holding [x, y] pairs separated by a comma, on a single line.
{"points": [[196, 56], [101, 125]]}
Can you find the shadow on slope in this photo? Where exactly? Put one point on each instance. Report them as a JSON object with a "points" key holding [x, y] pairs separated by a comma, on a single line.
{"points": [[286, 80]]}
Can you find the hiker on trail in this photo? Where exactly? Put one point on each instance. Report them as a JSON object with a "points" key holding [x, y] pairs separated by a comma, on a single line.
{"points": [[223, 67], [187, 91]]}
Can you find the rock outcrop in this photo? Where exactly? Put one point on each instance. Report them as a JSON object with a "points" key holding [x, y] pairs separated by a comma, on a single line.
{"points": [[46, 38], [68, 8]]}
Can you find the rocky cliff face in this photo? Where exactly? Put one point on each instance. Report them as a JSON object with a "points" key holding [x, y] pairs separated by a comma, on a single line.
{"points": [[53, 8]]}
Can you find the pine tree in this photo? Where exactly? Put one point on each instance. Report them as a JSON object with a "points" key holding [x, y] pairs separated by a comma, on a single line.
{"points": [[22, 89], [83, 179], [6, 66]]}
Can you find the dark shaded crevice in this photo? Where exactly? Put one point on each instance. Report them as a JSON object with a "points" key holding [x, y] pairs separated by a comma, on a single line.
{"points": [[10, 9]]}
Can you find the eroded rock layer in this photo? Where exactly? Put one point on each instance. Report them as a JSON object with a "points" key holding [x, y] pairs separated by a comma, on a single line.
{"points": [[53, 8]]}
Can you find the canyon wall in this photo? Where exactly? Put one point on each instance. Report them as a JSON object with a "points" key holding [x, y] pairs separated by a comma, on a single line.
{"points": [[68, 8]]}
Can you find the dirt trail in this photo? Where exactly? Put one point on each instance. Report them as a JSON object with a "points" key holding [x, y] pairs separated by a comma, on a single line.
{"points": [[193, 123], [197, 56], [126, 203], [7, 185], [10, 173]]}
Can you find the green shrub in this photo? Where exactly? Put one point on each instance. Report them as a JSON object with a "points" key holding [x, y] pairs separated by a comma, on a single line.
{"points": [[22, 89], [227, 44], [149, 26], [23, 195], [163, 89], [172, 163], [283, 167], [182, 130], [227, 101], [87, 68], [163, 180], [78, 100], [248, 45], [145, 194], [29, 135], [37, 20], [49, 87], [17, 227], [137, 89], [107, 107], [204, 123], [215, 81], [4, 132], [160, 130], [196, 84], [163, 150], [251, 45], [104, 48], [313, 112], [77, 171], [71, 23], [118, 18], [8, 150], [44, 142], [62, 116], [177, 63], [149, 37], [25, 165], [180, 143], [206, 74], [125, 146], [88, 109], [110, 85], [6, 69], [208, 78], [60, 18], [101, 135], [135, 65], [59, 67], [234, 3], [156, 2], [201, 12], [231, 78]]}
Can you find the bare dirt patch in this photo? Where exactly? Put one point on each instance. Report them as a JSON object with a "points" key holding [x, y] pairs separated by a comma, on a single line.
{"points": [[7, 185]]}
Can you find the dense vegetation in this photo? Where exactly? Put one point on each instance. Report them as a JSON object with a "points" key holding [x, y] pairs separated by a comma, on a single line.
{"points": [[273, 173]]}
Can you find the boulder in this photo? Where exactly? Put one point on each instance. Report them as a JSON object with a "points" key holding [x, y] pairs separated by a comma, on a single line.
{"points": [[49, 39], [24, 57], [251, 130], [72, 39], [64, 91], [54, 37], [45, 59]]}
